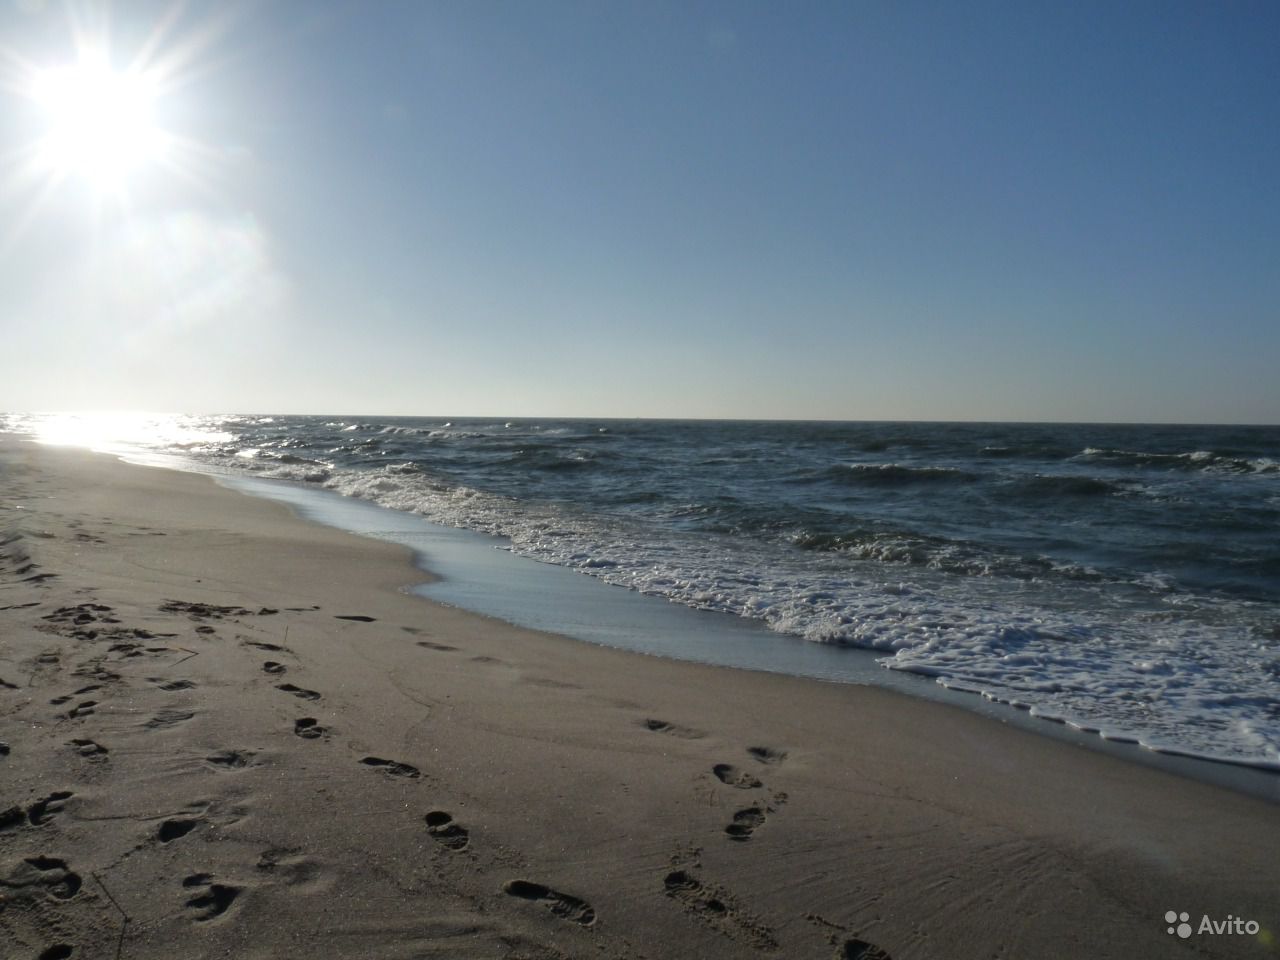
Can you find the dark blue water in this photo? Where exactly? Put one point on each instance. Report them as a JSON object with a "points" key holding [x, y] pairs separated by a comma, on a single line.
{"points": [[1122, 578]]}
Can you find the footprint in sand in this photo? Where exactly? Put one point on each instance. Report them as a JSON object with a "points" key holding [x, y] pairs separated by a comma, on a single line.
{"points": [[358, 618], [80, 614], [166, 684], [717, 908], [271, 666], [90, 749], [59, 701], [38, 814], [263, 645], [59, 951], [393, 768], [126, 649], [41, 874], [231, 759], [856, 949], [563, 905], [97, 671], [727, 773], [168, 718], [214, 901], [309, 729], [81, 710], [745, 823], [767, 754], [176, 828], [445, 831], [201, 611], [442, 647], [298, 691], [290, 867], [672, 729]]}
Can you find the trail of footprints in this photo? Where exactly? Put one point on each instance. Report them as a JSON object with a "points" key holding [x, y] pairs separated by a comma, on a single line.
{"points": [[37, 814], [208, 899], [711, 903], [748, 819], [441, 826], [94, 622]]}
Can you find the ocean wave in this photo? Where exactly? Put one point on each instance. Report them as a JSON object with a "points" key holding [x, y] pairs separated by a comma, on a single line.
{"points": [[261, 455], [298, 473], [944, 555], [554, 458], [1043, 452], [1206, 460]]}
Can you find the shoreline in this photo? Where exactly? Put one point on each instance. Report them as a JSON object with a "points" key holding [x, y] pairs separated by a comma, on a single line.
{"points": [[593, 799], [1184, 684], [443, 564]]}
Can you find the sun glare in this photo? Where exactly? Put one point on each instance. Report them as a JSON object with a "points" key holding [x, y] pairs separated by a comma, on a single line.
{"points": [[100, 121], [95, 120]]}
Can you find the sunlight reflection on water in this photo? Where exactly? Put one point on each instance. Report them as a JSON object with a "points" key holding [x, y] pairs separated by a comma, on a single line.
{"points": [[115, 431]]}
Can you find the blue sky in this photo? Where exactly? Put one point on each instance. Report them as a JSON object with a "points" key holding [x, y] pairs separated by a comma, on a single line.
{"points": [[1014, 211]]}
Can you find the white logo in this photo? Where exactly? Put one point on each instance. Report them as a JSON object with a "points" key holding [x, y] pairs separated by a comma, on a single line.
{"points": [[1183, 929], [1178, 923]]}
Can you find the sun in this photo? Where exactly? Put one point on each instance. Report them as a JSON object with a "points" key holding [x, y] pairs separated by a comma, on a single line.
{"points": [[99, 122], [102, 128]]}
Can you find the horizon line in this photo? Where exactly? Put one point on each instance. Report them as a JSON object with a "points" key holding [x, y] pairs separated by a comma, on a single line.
{"points": [[653, 419]]}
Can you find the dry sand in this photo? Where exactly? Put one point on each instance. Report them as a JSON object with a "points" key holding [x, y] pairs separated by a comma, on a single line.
{"points": [[230, 734]]}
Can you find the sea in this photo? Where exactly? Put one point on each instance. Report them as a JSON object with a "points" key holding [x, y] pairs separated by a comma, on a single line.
{"points": [[1120, 579]]}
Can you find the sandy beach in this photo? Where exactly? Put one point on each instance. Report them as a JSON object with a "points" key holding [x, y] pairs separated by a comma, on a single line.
{"points": [[229, 733]]}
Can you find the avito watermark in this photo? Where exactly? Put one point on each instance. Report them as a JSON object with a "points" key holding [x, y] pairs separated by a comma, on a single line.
{"points": [[1179, 924]]}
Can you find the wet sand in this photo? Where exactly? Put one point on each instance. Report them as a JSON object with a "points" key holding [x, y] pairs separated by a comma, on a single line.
{"points": [[229, 732]]}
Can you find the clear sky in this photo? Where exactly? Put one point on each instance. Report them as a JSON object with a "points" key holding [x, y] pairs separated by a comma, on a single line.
{"points": [[891, 210]]}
